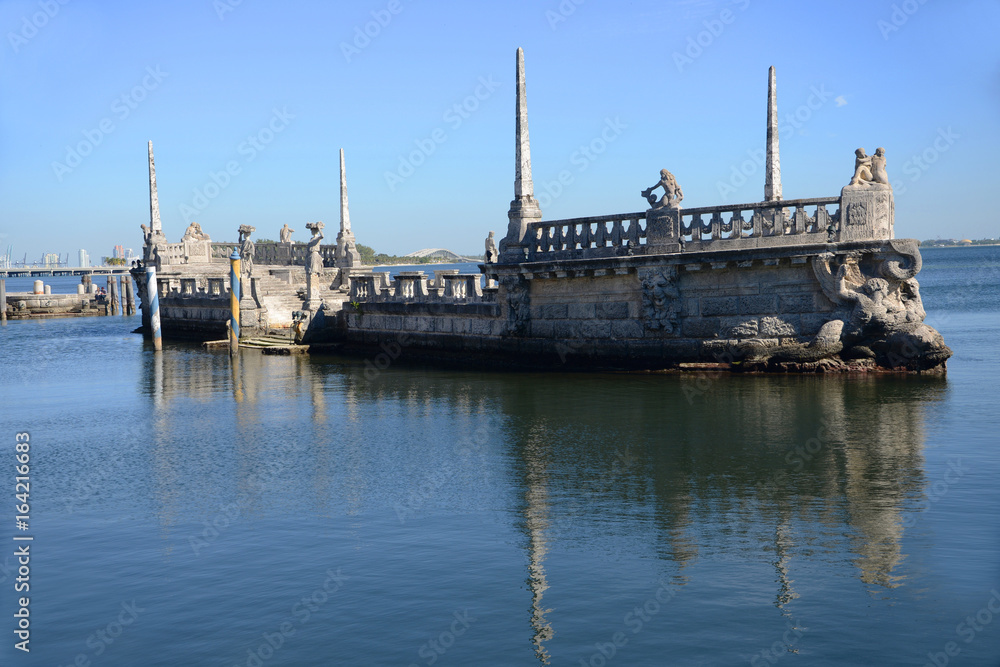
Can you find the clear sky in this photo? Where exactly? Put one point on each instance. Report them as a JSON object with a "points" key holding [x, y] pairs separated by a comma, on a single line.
{"points": [[616, 91]]}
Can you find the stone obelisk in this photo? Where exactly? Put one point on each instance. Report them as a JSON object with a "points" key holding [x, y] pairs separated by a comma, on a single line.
{"points": [[155, 226], [524, 207], [347, 252], [772, 176]]}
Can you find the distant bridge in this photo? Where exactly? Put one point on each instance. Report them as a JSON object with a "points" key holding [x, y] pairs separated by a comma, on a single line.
{"points": [[441, 253], [27, 272]]}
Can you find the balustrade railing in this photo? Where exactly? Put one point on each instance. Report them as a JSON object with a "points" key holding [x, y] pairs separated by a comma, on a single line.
{"points": [[606, 236], [597, 236], [277, 254], [414, 286], [712, 224]]}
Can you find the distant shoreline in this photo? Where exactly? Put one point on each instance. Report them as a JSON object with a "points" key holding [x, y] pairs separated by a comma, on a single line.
{"points": [[971, 245]]}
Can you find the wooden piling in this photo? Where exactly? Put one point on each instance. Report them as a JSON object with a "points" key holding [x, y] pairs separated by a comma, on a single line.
{"points": [[129, 295], [112, 297], [120, 287], [3, 300]]}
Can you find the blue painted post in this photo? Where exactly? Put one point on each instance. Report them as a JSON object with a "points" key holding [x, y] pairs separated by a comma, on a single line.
{"points": [[234, 302], [153, 295]]}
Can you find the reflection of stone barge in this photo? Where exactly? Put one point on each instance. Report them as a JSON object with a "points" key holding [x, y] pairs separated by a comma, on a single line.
{"points": [[783, 285]]}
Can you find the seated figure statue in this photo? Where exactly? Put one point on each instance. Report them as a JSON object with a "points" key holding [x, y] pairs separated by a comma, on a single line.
{"points": [[878, 167], [869, 169], [672, 193]]}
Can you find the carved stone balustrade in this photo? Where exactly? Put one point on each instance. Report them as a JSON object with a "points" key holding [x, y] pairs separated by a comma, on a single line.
{"points": [[598, 236], [410, 286], [670, 230], [463, 286]]}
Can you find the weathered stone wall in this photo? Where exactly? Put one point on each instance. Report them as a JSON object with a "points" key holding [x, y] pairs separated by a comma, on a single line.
{"points": [[790, 308]]}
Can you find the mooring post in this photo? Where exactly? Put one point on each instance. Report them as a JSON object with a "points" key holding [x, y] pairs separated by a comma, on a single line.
{"points": [[153, 296], [234, 302], [110, 289], [129, 295], [3, 300]]}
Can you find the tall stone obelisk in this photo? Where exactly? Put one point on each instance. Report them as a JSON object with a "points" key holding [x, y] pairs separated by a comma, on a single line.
{"points": [[772, 176], [155, 226], [347, 251], [524, 207]]}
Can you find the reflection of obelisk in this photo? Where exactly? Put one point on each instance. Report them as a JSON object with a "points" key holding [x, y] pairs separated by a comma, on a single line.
{"points": [[347, 251], [536, 516], [772, 173]]}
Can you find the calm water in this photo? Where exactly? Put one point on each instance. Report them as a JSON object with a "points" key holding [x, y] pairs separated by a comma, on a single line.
{"points": [[421, 516]]}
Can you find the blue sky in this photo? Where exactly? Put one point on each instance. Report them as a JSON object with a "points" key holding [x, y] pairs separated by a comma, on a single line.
{"points": [[84, 84]]}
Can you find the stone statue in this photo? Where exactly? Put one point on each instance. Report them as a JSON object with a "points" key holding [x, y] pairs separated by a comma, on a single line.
{"points": [[491, 250], [862, 167], [350, 252], [878, 167], [315, 264], [869, 169], [672, 193], [147, 235], [247, 249], [285, 234], [194, 233]]}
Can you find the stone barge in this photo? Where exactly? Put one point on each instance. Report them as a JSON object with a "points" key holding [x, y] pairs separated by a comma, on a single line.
{"points": [[801, 285]]}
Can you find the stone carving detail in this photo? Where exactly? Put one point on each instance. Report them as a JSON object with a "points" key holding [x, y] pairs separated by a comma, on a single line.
{"points": [[195, 233], [491, 250], [869, 169], [672, 193], [660, 298], [518, 304], [880, 312], [285, 234]]}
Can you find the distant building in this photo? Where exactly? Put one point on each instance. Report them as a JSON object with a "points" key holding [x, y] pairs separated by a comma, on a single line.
{"points": [[84, 259], [119, 252], [51, 260]]}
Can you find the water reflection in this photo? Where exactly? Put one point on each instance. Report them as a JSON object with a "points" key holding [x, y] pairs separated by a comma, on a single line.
{"points": [[773, 470]]}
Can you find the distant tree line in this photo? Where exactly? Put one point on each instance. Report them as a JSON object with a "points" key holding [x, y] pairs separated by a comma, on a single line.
{"points": [[371, 258]]}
